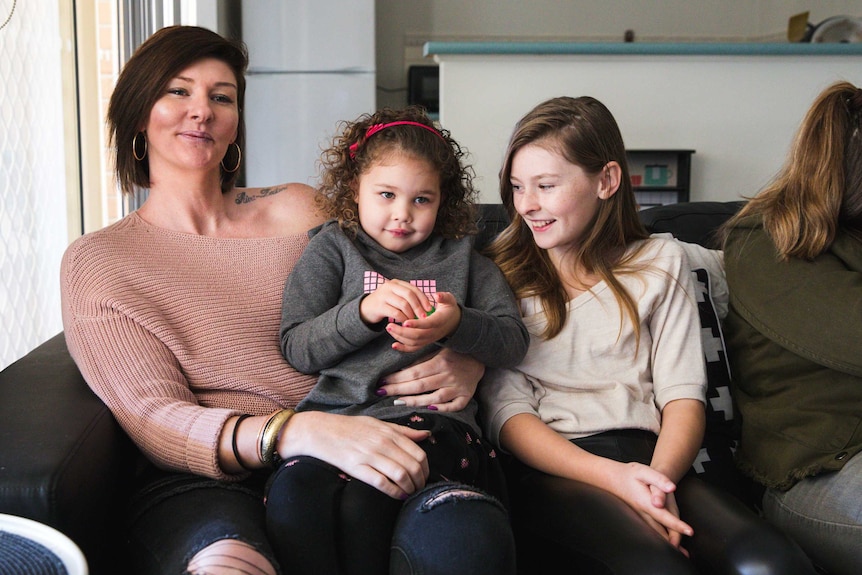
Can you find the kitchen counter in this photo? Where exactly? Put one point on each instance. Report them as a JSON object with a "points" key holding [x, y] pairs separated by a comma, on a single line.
{"points": [[737, 104], [643, 48]]}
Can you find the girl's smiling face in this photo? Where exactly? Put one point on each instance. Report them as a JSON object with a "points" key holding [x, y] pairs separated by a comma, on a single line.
{"points": [[556, 198]]}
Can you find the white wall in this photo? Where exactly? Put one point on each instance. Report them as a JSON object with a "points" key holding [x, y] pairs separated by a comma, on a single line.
{"points": [[738, 113], [403, 26], [721, 170]]}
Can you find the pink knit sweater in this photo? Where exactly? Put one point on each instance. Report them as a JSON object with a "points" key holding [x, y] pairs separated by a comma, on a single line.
{"points": [[178, 332]]}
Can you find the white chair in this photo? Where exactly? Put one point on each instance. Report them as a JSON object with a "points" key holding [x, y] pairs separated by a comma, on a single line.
{"points": [[20, 530]]}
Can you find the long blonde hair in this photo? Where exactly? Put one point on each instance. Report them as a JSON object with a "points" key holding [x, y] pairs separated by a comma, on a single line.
{"points": [[819, 189], [584, 131]]}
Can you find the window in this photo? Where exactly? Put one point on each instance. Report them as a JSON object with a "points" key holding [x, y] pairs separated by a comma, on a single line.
{"points": [[56, 178], [34, 65]]}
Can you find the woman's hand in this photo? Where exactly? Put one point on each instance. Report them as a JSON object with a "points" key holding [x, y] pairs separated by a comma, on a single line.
{"points": [[446, 380], [383, 455]]}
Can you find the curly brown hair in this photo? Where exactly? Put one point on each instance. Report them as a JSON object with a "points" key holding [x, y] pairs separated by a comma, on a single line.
{"points": [[341, 167]]}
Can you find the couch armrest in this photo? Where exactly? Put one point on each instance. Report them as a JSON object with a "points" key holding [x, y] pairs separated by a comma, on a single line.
{"points": [[64, 461]]}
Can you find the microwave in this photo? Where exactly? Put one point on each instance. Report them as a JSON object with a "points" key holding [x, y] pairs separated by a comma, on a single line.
{"points": [[423, 88]]}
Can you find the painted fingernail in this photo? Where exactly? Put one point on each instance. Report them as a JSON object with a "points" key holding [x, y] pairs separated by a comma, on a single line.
{"points": [[380, 391], [399, 402], [432, 407]]}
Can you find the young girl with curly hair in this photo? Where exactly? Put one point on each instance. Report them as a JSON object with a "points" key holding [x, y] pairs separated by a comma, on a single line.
{"points": [[393, 277]]}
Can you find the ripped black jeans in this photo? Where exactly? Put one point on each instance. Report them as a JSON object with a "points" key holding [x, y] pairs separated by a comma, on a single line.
{"points": [[319, 520]]}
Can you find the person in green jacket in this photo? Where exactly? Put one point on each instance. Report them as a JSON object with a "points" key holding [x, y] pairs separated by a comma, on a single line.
{"points": [[793, 257]]}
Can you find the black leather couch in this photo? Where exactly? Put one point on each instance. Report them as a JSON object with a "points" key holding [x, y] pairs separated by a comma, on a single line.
{"points": [[65, 462]]}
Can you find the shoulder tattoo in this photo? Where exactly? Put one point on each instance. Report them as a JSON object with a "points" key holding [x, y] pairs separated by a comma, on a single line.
{"points": [[244, 197]]}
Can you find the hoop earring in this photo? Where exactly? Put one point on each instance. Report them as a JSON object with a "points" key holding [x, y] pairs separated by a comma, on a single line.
{"points": [[135, 147], [238, 159]]}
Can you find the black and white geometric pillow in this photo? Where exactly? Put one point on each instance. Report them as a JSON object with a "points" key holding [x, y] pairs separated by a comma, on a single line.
{"points": [[714, 462]]}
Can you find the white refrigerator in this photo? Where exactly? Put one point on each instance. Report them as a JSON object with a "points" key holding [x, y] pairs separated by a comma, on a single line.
{"points": [[311, 65]]}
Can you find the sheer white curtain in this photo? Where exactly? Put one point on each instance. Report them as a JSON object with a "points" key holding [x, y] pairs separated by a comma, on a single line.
{"points": [[34, 210], [33, 228]]}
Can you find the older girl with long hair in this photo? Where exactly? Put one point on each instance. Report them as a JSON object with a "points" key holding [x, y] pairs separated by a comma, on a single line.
{"points": [[606, 413]]}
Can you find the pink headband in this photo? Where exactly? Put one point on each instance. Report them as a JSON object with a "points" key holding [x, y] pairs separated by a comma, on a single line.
{"points": [[377, 127]]}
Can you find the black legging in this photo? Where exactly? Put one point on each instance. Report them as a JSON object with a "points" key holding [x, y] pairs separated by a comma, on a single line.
{"points": [[319, 520], [564, 522]]}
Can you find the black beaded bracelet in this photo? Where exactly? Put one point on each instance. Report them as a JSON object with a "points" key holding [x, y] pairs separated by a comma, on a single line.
{"points": [[233, 440]]}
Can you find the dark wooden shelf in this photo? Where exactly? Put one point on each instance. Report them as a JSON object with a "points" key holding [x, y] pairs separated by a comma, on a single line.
{"points": [[660, 176]]}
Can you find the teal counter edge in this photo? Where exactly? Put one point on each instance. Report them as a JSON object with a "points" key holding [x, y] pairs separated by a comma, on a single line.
{"points": [[643, 48]]}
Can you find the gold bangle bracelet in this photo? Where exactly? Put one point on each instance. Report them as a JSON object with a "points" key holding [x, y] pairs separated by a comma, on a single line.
{"points": [[269, 435]]}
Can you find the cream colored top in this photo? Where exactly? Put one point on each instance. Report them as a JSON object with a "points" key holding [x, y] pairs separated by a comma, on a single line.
{"points": [[589, 378]]}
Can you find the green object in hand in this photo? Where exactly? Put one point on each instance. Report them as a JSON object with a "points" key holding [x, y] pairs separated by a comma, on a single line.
{"points": [[427, 313]]}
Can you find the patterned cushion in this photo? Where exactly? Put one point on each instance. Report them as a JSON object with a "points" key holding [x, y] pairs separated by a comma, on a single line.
{"points": [[721, 438], [714, 462]]}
